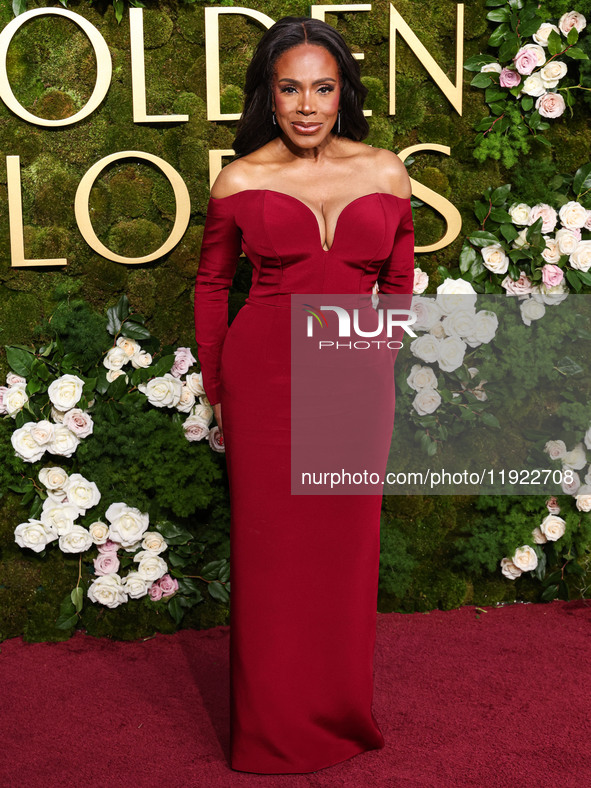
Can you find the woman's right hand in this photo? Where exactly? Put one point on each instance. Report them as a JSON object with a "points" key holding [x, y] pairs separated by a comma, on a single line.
{"points": [[217, 412]]}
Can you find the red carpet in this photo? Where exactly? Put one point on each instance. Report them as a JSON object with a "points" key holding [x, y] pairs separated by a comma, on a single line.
{"points": [[464, 698]]}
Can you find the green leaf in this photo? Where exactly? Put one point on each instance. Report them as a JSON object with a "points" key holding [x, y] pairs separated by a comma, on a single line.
{"points": [[481, 80], [483, 238], [498, 35], [582, 179], [573, 36], [175, 609], [509, 48], [528, 27], [500, 194], [476, 62], [19, 6], [576, 54], [494, 93], [500, 215], [527, 103], [574, 280], [554, 43], [20, 361], [467, 257], [133, 330], [173, 533], [509, 232], [66, 622], [499, 14], [77, 597], [162, 366], [490, 420], [218, 591], [481, 210], [534, 229]]}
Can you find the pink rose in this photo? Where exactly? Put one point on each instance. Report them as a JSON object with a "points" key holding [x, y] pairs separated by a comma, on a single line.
{"points": [[216, 439], [516, 287], [548, 214], [168, 584], [183, 360], [552, 504], [576, 231], [525, 61], [108, 547], [155, 592], [587, 224], [509, 78], [79, 422], [550, 105], [571, 19], [106, 563], [552, 275]]}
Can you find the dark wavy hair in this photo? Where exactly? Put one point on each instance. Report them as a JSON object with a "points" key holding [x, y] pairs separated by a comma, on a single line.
{"points": [[255, 127]]}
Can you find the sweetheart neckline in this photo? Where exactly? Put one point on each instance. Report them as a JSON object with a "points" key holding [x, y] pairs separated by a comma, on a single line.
{"points": [[285, 194]]}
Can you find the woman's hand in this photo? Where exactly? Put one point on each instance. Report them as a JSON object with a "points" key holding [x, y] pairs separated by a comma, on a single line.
{"points": [[217, 412]]}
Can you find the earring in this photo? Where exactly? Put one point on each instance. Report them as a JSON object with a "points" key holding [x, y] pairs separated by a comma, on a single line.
{"points": [[339, 123], [274, 119]]}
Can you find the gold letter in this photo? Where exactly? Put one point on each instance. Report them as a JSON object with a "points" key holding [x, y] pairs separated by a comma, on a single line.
{"points": [[15, 218], [103, 66], [138, 73], [449, 211], [181, 193], [212, 55], [318, 12], [215, 162], [452, 92]]}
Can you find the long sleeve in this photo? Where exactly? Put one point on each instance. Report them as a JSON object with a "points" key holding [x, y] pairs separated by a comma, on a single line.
{"points": [[220, 250], [397, 273]]}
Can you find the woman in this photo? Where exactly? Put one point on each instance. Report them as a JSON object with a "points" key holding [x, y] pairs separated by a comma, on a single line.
{"points": [[316, 211]]}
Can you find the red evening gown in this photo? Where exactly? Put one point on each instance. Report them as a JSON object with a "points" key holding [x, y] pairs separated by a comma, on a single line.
{"points": [[304, 568]]}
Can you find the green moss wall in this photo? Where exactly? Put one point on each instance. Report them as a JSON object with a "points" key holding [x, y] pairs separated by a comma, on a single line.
{"points": [[52, 70]]}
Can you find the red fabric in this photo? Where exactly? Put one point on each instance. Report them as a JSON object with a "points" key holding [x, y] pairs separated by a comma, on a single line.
{"points": [[304, 567], [495, 697]]}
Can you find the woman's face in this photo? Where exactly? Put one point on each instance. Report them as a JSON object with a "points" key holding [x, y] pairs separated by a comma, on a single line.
{"points": [[306, 94]]}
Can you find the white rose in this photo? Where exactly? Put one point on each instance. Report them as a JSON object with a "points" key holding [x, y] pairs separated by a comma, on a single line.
{"points": [[42, 432], [57, 415], [65, 392], [550, 105], [551, 252], [79, 422], [533, 85], [81, 492], [186, 401], [553, 72], [525, 558], [421, 281], [542, 33], [128, 524], [451, 353], [108, 590], [428, 312], [556, 450], [548, 214], [484, 328], [575, 459], [195, 428], [77, 540], [550, 295], [154, 542], [454, 287], [531, 309], [426, 401], [583, 498], [163, 392], [538, 536], [194, 382], [133, 547], [34, 535], [141, 360], [12, 379], [152, 567], [59, 517], [135, 585], [129, 346], [64, 442], [509, 569], [495, 259], [24, 445], [519, 213], [581, 257], [15, 399], [571, 19], [553, 527], [573, 215], [53, 477], [99, 532], [567, 241], [203, 412], [491, 67], [587, 438], [539, 52], [438, 331], [115, 358], [426, 348], [421, 377], [460, 322]]}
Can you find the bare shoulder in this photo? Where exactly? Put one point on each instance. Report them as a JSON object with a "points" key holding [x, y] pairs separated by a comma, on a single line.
{"points": [[392, 169], [231, 179]]}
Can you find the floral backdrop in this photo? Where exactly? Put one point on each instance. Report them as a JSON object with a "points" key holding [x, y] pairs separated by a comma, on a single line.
{"points": [[114, 508]]}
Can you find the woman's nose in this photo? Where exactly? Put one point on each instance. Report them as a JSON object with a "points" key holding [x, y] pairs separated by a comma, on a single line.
{"points": [[306, 103]]}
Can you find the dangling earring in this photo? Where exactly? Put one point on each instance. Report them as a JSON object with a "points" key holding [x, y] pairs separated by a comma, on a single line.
{"points": [[274, 119], [339, 123]]}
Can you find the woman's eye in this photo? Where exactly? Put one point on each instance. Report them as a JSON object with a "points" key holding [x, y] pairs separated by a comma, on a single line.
{"points": [[327, 88], [288, 88]]}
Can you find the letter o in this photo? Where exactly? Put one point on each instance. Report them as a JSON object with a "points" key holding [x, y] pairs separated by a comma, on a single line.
{"points": [[104, 66], [82, 210]]}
